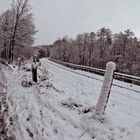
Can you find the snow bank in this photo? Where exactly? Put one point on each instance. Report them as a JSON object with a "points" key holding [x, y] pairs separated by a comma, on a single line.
{"points": [[61, 107]]}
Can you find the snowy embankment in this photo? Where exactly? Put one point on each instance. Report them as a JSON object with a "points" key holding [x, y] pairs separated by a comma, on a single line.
{"points": [[61, 107]]}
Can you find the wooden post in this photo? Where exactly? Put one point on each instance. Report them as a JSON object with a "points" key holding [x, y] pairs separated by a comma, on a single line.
{"points": [[19, 63], [106, 88]]}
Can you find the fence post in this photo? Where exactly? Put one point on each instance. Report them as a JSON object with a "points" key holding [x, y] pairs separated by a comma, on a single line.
{"points": [[105, 91], [19, 63]]}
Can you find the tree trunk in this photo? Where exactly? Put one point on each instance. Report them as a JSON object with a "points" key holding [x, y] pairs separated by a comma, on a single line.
{"points": [[11, 51]]}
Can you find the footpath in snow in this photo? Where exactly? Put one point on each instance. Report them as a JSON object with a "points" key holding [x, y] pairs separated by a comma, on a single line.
{"points": [[61, 107]]}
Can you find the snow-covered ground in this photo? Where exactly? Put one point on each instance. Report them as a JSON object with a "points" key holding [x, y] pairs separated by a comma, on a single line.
{"points": [[62, 106]]}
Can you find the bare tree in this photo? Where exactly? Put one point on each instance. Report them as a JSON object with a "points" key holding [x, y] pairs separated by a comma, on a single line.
{"points": [[5, 32], [96, 49], [21, 14], [103, 41], [16, 29]]}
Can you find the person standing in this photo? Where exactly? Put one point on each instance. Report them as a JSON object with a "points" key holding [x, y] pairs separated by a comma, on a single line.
{"points": [[34, 66]]}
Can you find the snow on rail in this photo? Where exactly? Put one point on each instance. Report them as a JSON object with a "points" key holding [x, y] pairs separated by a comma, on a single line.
{"points": [[95, 77], [117, 75]]}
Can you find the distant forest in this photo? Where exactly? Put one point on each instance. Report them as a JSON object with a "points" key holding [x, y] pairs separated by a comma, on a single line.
{"points": [[96, 49]]}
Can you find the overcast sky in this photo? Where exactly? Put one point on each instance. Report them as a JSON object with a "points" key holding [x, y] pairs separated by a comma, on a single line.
{"points": [[57, 18]]}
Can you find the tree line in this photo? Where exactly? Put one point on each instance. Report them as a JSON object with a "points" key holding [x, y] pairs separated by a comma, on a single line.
{"points": [[95, 49], [17, 31]]}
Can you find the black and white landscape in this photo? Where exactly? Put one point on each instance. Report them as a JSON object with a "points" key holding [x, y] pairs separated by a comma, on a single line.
{"points": [[85, 85]]}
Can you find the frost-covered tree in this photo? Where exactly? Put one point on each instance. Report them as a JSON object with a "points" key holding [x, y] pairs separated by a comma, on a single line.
{"points": [[19, 26], [92, 49], [104, 40], [96, 49], [5, 32], [23, 27]]}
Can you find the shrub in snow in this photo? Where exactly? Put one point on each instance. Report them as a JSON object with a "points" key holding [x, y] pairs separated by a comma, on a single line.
{"points": [[72, 104], [43, 73], [26, 83], [105, 92], [27, 67]]}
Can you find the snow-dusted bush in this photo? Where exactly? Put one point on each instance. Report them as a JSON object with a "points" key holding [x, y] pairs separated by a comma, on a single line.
{"points": [[27, 67], [43, 72]]}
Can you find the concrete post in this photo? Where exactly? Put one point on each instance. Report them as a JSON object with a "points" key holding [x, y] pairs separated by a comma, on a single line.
{"points": [[106, 88]]}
